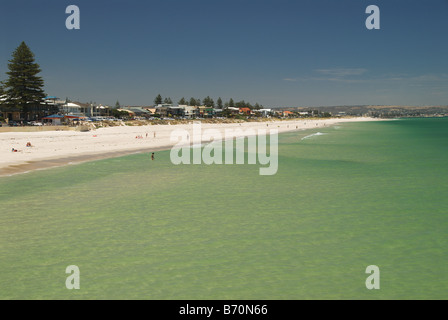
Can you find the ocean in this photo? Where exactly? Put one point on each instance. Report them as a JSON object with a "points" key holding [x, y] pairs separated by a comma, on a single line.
{"points": [[344, 198]]}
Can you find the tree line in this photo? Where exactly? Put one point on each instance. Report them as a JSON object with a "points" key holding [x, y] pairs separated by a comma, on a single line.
{"points": [[209, 102]]}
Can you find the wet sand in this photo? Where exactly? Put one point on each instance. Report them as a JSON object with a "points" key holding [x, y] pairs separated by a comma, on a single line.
{"points": [[72, 160]]}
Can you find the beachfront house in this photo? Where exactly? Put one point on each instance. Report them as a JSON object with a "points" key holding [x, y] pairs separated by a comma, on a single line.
{"points": [[190, 111], [218, 112], [8, 113], [277, 113], [102, 111], [93, 110], [55, 119], [206, 112], [71, 108], [131, 114], [139, 112], [245, 111], [183, 111], [265, 113], [305, 113], [162, 109], [50, 105], [177, 112], [33, 112], [151, 110], [287, 114], [233, 110]]}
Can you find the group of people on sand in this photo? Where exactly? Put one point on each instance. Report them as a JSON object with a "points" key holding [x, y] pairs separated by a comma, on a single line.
{"points": [[141, 136], [28, 145]]}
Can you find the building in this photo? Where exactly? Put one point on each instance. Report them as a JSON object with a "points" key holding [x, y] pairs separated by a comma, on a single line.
{"points": [[55, 119], [33, 112], [71, 108], [206, 112], [190, 111], [151, 110], [233, 110], [265, 112], [137, 112], [162, 109], [178, 111], [245, 111]]}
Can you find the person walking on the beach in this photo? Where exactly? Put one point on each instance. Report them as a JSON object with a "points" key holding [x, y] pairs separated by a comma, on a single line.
{"points": [[152, 156], [154, 134]]}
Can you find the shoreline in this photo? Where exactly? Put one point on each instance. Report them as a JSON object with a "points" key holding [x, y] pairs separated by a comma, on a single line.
{"points": [[45, 164], [60, 148]]}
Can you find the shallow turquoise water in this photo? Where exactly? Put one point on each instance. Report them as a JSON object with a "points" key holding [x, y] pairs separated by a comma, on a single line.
{"points": [[361, 194]]}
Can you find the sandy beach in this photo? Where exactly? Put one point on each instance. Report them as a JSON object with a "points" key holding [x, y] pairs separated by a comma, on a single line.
{"points": [[57, 148]]}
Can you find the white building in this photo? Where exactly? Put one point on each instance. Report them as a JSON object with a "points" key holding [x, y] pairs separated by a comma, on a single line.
{"points": [[265, 112], [71, 108]]}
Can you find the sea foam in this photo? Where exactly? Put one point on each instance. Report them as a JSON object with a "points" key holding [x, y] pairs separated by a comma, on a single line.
{"points": [[313, 135]]}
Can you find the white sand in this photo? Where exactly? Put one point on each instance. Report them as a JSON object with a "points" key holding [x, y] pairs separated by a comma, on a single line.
{"points": [[65, 144]]}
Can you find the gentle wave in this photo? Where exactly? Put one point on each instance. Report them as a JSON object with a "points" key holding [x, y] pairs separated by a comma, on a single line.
{"points": [[314, 134]]}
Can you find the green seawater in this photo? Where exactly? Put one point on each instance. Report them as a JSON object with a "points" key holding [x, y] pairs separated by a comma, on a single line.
{"points": [[360, 194]]}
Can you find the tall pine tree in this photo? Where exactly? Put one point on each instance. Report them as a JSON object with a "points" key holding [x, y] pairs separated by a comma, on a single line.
{"points": [[24, 88], [219, 103], [182, 101], [195, 102], [158, 99], [208, 102]]}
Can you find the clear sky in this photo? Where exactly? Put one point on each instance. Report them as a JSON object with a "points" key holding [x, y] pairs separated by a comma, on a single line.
{"points": [[275, 52]]}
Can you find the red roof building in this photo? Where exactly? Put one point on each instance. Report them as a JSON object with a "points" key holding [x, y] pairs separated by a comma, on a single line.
{"points": [[245, 111]]}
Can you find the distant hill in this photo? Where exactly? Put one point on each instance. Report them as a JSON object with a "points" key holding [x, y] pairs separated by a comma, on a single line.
{"points": [[378, 111]]}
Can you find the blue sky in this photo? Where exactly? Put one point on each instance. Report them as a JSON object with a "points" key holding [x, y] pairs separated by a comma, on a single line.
{"points": [[275, 52]]}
